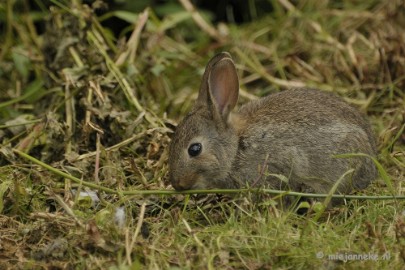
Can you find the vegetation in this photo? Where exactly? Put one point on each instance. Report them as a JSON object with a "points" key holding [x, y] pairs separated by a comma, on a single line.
{"points": [[86, 113]]}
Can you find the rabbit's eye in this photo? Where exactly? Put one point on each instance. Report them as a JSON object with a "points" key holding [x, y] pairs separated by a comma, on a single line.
{"points": [[194, 149]]}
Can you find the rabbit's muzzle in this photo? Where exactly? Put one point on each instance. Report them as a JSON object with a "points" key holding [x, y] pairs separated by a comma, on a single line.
{"points": [[183, 183]]}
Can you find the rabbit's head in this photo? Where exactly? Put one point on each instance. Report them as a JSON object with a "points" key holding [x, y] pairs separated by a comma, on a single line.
{"points": [[205, 144]]}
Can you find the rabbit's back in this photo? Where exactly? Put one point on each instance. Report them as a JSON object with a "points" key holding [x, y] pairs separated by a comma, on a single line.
{"points": [[296, 133]]}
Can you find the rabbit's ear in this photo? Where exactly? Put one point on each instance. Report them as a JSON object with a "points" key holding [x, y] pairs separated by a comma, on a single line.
{"points": [[223, 84], [204, 96], [220, 86]]}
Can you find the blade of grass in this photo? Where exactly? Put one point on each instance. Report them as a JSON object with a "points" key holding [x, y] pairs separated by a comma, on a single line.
{"points": [[31, 89], [384, 175], [210, 191], [330, 195], [203, 24], [390, 146]]}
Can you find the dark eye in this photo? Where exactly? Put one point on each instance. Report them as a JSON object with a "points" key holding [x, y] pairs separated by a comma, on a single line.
{"points": [[194, 149]]}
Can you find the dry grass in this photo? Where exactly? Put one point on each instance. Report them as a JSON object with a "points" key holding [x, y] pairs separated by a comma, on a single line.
{"points": [[100, 109]]}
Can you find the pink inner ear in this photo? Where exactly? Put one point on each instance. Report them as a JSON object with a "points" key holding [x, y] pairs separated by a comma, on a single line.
{"points": [[224, 85]]}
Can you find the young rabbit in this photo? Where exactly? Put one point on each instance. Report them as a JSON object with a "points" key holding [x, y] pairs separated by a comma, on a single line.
{"points": [[293, 133]]}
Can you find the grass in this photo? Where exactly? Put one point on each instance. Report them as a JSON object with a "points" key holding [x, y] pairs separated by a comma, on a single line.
{"points": [[85, 118]]}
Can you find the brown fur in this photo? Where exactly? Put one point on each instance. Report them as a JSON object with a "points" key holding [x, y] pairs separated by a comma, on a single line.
{"points": [[294, 133]]}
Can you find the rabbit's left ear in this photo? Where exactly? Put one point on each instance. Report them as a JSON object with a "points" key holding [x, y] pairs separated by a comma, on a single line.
{"points": [[223, 85]]}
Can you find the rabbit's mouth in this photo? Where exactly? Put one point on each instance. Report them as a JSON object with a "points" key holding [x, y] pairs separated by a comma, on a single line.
{"points": [[179, 185], [193, 181]]}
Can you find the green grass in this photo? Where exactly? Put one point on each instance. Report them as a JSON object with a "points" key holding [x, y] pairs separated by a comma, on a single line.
{"points": [[86, 109]]}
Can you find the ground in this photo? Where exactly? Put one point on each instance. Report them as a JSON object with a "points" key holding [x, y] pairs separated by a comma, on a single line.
{"points": [[86, 114]]}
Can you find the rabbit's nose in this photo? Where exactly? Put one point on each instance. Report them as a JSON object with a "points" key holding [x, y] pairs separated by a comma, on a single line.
{"points": [[178, 187], [180, 184]]}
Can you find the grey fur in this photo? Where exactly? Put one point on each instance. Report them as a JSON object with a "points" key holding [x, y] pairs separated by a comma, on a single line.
{"points": [[293, 133]]}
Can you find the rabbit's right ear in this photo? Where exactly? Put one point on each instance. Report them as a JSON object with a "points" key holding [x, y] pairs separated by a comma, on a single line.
{"points": [[220, 86]]}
